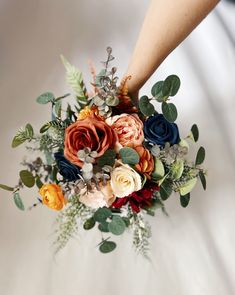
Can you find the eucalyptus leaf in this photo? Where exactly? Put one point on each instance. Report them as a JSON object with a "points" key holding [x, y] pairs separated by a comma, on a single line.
{"points": [[18, 201], [107, 246], [58, 108], [171, 85], [200, 156], [108, 158], [184, 200], [169, 111], [103, 227], [17, 141], [89, 223], [156, 90], [46, 98], [6, 187], [188, 186], [129, 156], [39, 183], [27, 178], [159, 170], [29, 130], [177, 169], [117, 225], [203, 179], [165, 190], [102, 214], [146, 108], [195, 132]]}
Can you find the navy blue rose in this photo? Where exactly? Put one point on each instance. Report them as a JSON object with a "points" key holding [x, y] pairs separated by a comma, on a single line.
{"points": [[68, 170], [158, 130]]}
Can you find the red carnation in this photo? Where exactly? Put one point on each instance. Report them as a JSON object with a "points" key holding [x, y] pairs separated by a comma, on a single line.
{"points": [[139, 199]]}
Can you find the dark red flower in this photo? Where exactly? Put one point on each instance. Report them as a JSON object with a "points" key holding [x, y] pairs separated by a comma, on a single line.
{"points": [[139, 199]]}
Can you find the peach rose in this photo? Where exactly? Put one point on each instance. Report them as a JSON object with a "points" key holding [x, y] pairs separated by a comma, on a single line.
{"points": [[90, 132], [129, 130], [146, 163], [99, 198], [52, 196]]}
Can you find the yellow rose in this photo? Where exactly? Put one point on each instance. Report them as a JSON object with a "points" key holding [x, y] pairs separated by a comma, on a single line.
{"points": [[124, 180], [52, 196], [98, 198]]}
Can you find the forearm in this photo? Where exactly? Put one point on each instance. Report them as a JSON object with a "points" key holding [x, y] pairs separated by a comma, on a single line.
{"points": [[166, 25]]}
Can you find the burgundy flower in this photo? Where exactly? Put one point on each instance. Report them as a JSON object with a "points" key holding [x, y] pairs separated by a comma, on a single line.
{"points": [[139, 199]]}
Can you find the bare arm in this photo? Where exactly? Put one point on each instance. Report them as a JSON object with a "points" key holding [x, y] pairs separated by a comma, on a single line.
{"points": [[166, 25]]}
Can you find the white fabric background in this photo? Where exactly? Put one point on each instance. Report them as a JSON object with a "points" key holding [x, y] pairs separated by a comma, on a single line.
{"points": [[192, 250]]}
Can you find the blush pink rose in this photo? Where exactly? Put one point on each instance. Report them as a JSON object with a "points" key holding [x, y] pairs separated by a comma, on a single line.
{"points": [[129, 130]]}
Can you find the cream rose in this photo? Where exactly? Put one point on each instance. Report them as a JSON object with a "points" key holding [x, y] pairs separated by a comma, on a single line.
{"points": [[128, 129], [98, 198], [124, 180]]}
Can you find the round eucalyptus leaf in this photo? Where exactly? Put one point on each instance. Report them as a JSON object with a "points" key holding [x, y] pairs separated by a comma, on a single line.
{"points": [[89, 223], [188, 186], [108, 158], [171, 85], [146, 108], [107, 247], [45, 98], [129, 156], [103, 227], [165, 190], [102, 214], [117, 225], [156, 90], [27, 178], [169, 111]]}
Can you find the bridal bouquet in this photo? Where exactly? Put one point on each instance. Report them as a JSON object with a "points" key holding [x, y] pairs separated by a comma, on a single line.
{"points": [[106, 160]]}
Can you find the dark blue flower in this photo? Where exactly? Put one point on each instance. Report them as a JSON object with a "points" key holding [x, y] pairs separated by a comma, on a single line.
{"points": [[158, 130], [68, 170]]}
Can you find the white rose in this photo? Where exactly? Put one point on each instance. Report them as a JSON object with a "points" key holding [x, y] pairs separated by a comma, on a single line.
{"points": [[124, 180], [98, 198]]}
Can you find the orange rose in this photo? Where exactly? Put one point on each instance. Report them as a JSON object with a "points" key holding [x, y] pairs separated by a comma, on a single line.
{"points": [[129, 130], [146, 163], [52, 196], [90, 132]]}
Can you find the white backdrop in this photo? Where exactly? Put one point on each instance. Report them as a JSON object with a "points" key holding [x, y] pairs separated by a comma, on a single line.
{"points": [[192, 250]]}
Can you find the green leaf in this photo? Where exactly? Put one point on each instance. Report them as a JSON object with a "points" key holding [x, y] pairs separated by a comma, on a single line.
{"points": [[195, 132], [58, 108], [188, 186], [146, 108], [169, 111], [18, 201], [200, 156], [29, 131], [156, 90], [203, 179], [108, 158], [107, 246], [184, 200], [27, 178], [129, 156], [165, 190], [159, 170], [46, 98], [102, 214], [177, 169], [17, 141], [89, 223], [6, 187], [39, 183], [171, 85], [103, 227], [117, 226], [126, 220]]}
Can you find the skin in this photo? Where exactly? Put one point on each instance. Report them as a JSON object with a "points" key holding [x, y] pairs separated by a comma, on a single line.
{"points": [[166, 25]]}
